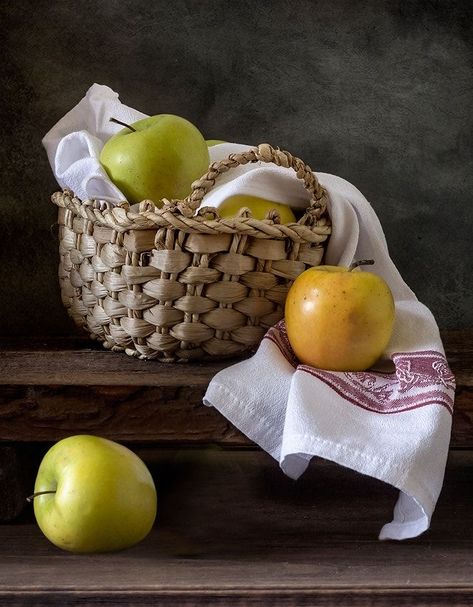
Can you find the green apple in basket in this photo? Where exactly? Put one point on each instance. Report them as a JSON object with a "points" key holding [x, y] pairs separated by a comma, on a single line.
{"points": [[93, 495], [156, 157]]}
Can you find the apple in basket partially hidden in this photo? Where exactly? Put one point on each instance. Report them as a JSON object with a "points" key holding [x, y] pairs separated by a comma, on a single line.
{"points": [[338, 318], [154, 158], [211, 142], [259, 207]]}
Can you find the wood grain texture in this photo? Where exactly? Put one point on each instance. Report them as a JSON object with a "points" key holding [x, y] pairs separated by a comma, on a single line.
{"points": [[86, 363], [233, 530], [54, 388], [11, 485], [89, 366], [167, 414]]}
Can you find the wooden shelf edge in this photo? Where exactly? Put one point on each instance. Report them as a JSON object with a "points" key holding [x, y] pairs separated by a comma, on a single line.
{"points": [[357, 597], [76, 361], [55, 388]]}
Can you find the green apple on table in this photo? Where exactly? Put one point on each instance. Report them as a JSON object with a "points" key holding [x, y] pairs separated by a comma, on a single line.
{"points": [[93, 495], [259, 207], [156, 157], [338, 318]]}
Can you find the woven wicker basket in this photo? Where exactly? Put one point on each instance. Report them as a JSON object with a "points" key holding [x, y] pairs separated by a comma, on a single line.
{"points": [[174, 284]]}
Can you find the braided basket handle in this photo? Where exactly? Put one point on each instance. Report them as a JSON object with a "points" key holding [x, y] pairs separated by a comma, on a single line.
{"points": [[265, 153]]}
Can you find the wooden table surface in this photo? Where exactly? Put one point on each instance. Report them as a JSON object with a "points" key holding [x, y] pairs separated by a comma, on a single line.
{"points": [[233, 530]]}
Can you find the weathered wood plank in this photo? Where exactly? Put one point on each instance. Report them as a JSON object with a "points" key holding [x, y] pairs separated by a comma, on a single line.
{"points": [[88, 367], [51, 389], [462, 428], [166, 414], [78, 362], [233, 530], [11, 485], [151, 414], [194, 597]]}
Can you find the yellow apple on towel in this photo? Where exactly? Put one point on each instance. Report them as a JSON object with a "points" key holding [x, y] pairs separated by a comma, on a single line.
{"points": [[259, 207], [156, 157], [338, 318]]}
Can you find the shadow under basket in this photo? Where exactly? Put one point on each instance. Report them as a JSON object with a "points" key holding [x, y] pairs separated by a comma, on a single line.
{"points": [[178, 284]]}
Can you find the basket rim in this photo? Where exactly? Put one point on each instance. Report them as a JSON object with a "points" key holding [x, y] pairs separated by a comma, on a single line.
{"points": [[125, 217]]}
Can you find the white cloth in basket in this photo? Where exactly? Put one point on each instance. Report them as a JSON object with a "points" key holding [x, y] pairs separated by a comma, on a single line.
{"points": [[73, 145], [394, 426]]}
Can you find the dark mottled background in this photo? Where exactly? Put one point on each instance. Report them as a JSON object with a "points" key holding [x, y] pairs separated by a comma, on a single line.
{"points": [[377, 92]]}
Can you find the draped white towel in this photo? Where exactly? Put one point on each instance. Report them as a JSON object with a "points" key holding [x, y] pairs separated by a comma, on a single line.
{"points": [[392, 425]]}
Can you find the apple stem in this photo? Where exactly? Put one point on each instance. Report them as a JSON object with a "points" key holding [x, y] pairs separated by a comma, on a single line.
{"points": [[116, 121], [361, 262], [30, 498]]}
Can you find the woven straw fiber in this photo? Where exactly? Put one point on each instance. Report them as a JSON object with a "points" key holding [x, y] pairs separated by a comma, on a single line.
{"points": [[175, 284]]}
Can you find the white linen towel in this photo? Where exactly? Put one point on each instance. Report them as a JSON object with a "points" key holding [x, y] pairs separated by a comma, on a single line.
{"points": [[394, 426]]}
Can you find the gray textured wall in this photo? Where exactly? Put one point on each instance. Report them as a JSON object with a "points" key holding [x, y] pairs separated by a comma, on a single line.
{"points": [[380, 93]]}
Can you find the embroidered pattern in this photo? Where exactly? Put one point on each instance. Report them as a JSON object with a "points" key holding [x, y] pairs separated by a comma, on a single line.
{"points": [[420, 379]]}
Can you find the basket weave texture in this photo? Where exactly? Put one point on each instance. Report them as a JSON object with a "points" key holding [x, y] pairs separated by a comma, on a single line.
{"points": [[177, 284]]}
